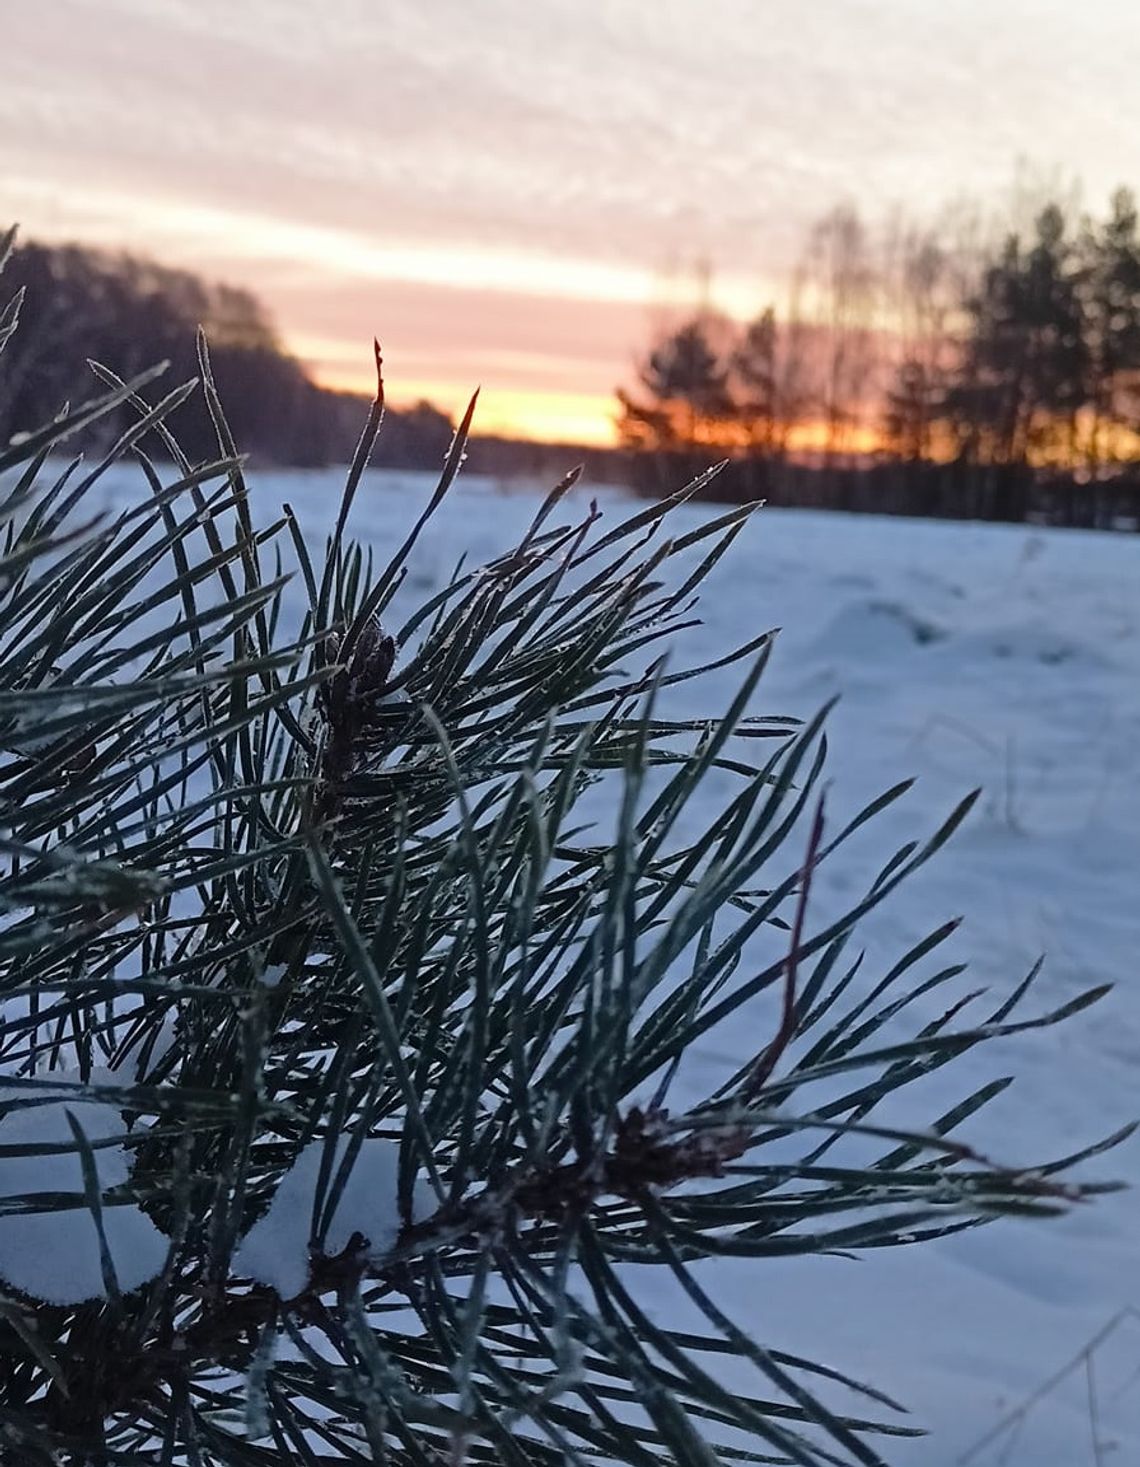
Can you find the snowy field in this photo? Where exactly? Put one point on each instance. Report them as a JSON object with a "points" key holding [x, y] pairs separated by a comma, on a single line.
{"points": [[966, 655]]}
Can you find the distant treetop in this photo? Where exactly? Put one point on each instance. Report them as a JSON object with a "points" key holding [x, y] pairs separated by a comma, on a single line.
{"points": [[82, 304]]}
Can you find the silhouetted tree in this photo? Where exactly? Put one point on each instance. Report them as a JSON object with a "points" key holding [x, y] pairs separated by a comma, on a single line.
{"points": [[686, 382], [754, 370], [912, 405], [1109, 290], [1003, 371], [1025, 367], [767, 393], [81, 304]]}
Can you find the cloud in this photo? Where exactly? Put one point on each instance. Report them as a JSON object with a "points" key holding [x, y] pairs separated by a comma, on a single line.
{"points": [[541, 148]]}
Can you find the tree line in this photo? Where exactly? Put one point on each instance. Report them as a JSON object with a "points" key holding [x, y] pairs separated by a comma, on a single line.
{"points": [[926, 369], [82, 304]]}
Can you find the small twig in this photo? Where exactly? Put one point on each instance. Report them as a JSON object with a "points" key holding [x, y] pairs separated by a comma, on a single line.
{"points": [[1094, 1410], [1016, 1418], [770, 1057]]}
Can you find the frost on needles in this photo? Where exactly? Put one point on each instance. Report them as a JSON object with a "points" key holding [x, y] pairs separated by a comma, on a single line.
{"points": [[353, 948]]}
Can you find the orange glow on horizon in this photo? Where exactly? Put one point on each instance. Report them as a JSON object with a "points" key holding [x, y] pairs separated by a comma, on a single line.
{"points": [[814, 437], [587, 419], [540, 417]]}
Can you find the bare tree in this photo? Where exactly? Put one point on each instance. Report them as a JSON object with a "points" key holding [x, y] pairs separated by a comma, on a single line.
{"points": [[923, 303], [840, 289]]}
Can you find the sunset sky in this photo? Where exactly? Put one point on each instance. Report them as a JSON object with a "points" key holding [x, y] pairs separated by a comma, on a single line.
{"points": [[507, 191]]}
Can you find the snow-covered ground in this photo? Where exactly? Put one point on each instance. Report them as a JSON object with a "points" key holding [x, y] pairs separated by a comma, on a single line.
{"points": [[1002, 656], [965, 655]]}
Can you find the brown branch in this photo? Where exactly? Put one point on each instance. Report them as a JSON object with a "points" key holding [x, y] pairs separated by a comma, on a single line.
{"points": [[643, 1157]]}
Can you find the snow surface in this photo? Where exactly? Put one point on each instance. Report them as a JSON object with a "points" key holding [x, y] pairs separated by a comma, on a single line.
{"points": [[275, 1251], [54, 1255], [1002, 656]]}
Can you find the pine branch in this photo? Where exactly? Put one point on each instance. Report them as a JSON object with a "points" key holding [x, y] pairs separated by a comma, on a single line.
{"points": [[282, 887]]}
